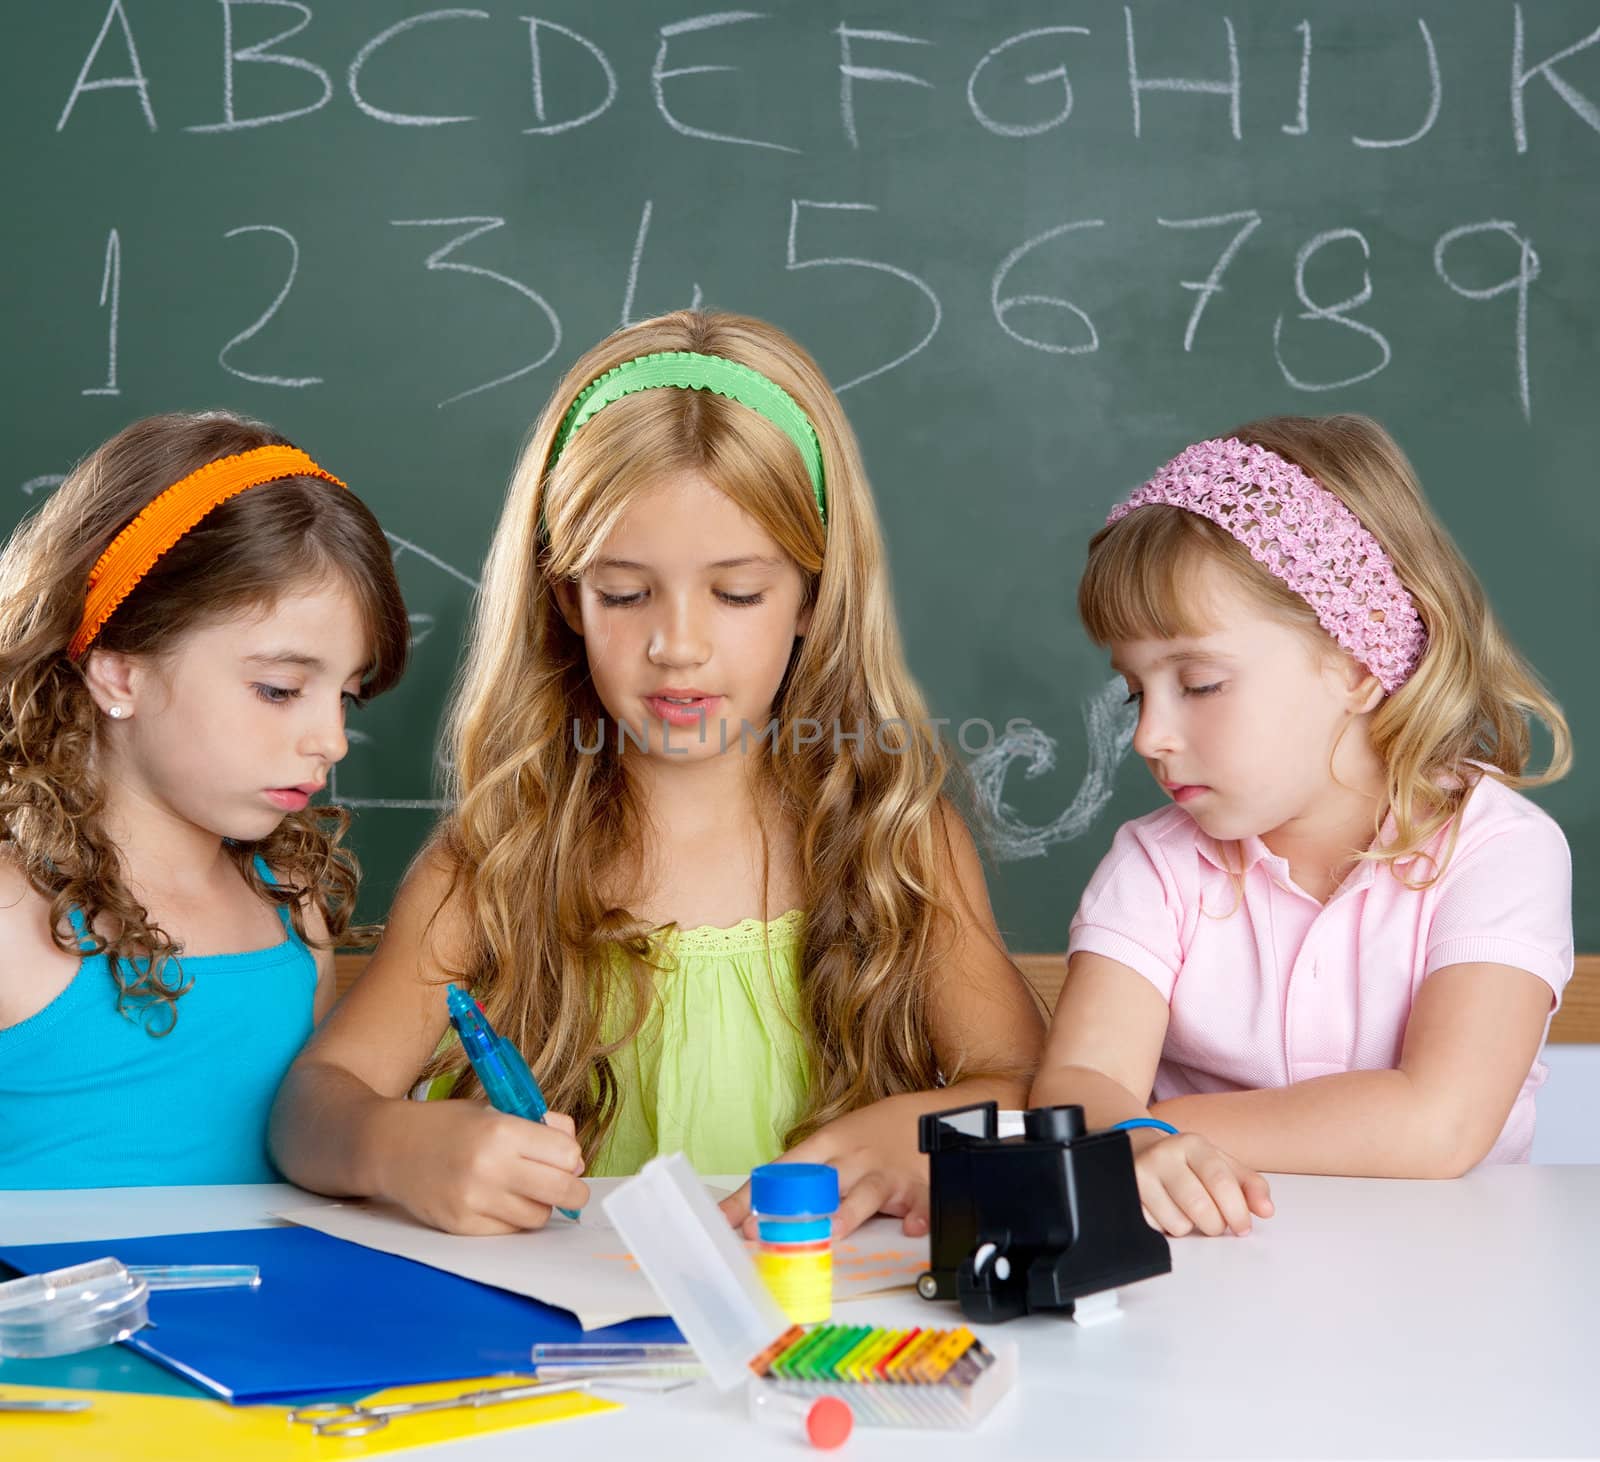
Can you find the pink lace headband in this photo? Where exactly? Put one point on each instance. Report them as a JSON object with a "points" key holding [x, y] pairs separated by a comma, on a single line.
{"points": [[1298, 530]]}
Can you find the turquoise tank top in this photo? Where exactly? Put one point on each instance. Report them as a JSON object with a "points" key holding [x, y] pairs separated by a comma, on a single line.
{"points": [[90, 1099]]}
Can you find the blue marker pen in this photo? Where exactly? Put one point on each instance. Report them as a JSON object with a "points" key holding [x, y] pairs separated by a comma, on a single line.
{"points": [[499, 1066]]}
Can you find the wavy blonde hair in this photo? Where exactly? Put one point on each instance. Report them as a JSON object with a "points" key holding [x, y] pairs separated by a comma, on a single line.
{"points": [[243, 555], [536, 825], [1471, 696]]}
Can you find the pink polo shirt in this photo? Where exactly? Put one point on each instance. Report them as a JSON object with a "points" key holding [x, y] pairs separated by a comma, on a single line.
{"points": [[1274, 988]]}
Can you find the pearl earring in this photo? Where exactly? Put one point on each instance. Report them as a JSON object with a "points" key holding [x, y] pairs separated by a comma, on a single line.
{"points": [[115, 712]]}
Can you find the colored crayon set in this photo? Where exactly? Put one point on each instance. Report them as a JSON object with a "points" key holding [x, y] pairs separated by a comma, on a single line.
{"points": [[911, 1377]]}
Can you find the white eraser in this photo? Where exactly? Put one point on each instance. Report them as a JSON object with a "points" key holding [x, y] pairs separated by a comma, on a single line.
{"points": [[1096, 1309]]}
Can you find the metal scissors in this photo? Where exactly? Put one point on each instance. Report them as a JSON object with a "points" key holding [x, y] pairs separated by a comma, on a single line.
{"points": [[353, 1419], [49, 1405]]}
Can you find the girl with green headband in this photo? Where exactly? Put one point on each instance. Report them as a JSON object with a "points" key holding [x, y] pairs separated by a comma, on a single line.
{"points": [[698, 862]]}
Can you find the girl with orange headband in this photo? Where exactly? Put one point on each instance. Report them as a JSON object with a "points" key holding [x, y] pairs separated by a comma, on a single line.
{"points": [[182, 627], [697, 865]]}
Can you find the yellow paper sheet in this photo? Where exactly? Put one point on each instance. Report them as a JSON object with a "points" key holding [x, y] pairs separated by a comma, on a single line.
{"points": [[123, 1427]]}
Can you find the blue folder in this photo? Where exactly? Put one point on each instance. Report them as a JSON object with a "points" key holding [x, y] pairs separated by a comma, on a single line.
{"points": [[329, 1316]]}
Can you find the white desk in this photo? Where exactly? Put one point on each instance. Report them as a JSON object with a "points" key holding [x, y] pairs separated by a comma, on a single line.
{"points": [[1368, 1319]]}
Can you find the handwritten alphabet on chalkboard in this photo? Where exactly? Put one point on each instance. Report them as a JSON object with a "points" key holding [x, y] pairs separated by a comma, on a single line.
{"points": [[262, 54], [1226, 78], [1037, 78], [413, 119], [1435, 96], [850, 73], [135, 79]]}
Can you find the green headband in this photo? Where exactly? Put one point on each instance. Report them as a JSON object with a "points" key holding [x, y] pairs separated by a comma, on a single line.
{"points": [[688, 370]]}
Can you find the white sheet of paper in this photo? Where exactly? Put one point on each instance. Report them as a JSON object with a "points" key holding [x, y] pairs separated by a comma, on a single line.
{"points": [[583, 1267]]}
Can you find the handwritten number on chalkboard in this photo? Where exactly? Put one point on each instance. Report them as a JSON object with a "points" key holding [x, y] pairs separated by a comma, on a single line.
{"points": [[440, 259], [1002, 307], [110, 294], [1302, 121], [1333, 314], [1527, 272], [633, 268], [794, 261], [272, 309], [1212, 283]]}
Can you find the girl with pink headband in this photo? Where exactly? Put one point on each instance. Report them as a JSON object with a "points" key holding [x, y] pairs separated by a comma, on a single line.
{"points": [[1338, 948]]}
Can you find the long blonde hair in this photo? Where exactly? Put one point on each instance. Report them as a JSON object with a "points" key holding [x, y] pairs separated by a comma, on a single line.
{"points": [[538, 827], [244, 554], [1471, 696]]}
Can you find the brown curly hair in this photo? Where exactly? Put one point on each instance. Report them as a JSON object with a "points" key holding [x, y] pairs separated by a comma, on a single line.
{"points": [[241, 556]]}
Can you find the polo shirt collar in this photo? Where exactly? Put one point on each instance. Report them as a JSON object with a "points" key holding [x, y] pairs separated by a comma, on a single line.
{"points": [[1240, 857]]}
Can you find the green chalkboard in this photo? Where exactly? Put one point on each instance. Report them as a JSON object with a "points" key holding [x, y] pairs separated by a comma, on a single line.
{"points": [[1038, 245]]}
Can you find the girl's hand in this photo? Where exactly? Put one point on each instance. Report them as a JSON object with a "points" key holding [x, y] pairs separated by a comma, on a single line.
{"points": [[880, 1170], [1186, 1184], [468, 1169]]}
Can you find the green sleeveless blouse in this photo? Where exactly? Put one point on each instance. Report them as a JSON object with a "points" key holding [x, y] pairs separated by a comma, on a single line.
{"points": [[718, 1070]]}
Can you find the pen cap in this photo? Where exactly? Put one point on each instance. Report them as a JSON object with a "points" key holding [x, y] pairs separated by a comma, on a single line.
{"points": [[698, 1265]]}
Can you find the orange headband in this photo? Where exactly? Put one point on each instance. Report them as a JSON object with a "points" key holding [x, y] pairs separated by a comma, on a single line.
{"points": [[171, 514]]}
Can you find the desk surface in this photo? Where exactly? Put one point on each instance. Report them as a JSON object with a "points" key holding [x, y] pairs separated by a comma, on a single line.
{"points": [[1368, 1319]]}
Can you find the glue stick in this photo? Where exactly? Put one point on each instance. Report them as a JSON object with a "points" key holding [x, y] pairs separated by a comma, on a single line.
{"points": [[793, 1204]]}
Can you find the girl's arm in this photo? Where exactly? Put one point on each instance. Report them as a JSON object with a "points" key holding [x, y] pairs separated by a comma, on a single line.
{"points": [[985, 1021], [1105, 1043], [1474, 1032], [341, 1123], [1104, 1046], [1499, 943]]}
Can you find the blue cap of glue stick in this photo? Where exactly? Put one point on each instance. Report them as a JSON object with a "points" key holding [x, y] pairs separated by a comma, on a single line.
{"points": [[795, 1189]]}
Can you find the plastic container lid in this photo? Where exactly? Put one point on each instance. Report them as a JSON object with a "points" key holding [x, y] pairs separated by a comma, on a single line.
{"points": [[69, 1310], [698, 1265], [798, 1189]]}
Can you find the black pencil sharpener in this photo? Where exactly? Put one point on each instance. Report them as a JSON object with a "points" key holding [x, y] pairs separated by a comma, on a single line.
{"points": [[1033, 1222]]}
